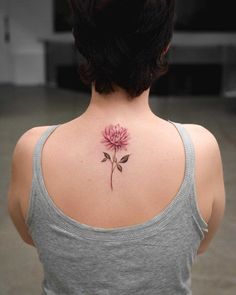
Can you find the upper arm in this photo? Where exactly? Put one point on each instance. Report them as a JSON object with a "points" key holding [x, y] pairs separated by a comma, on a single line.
{"points": [[20, 181], [210, 180]]}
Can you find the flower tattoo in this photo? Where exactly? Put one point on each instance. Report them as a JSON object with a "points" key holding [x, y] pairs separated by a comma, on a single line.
{"points": [[115, 138]]}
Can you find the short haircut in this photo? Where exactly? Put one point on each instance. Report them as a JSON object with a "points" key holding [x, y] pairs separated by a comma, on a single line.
{"points": [[122, 42]]}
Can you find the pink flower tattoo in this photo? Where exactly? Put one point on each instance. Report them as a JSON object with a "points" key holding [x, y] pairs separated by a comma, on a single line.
{"points": [[115, 138]]}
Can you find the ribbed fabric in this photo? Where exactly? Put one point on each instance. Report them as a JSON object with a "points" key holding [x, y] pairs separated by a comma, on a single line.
{"points": [[151, 258]]}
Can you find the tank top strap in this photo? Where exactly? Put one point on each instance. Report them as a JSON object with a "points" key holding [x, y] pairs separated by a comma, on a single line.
{"points": [[189, 151], [190, 176], [38, 148], [37, 173]]}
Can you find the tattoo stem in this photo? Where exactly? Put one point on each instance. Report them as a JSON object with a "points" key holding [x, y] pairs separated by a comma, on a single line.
{"points": [[112, 169]]}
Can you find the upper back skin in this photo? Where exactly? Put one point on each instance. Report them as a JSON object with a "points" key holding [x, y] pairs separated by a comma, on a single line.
{"points": [[79, 182]]}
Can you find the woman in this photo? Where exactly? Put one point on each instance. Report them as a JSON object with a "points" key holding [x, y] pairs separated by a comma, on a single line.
{"points": [[118, 200]]}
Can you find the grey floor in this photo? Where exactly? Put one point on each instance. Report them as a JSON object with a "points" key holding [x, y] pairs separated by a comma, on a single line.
{"points": [[24, 107]]}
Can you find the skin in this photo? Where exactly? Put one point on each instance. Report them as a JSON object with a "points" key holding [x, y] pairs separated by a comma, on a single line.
{"points": [[105, 110]]}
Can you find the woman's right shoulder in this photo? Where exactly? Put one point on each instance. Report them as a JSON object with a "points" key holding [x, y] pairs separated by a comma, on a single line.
{"points": [[207, 149], [209, 177], [202, 134], [31, 136], [206, 144], [25, 145]]}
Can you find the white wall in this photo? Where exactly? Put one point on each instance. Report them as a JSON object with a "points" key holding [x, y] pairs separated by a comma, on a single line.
{"points": [[31, 20]]}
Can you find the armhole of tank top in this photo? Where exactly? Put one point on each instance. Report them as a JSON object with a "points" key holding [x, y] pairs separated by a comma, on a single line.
{"points": [[196, 214], [202, 224], [31, 203], [33, 191]]}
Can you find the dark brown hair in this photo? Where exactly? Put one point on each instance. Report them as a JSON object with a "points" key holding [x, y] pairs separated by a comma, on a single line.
{"points": [[122, 42]]}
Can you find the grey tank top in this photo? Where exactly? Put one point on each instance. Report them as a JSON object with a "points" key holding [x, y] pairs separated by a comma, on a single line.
{"points": [[151, 258]]}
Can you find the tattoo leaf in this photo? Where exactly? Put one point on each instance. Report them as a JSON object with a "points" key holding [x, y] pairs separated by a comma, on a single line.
{"points": [[119, 167], [104, 160], [107, 155], [124, 159]]}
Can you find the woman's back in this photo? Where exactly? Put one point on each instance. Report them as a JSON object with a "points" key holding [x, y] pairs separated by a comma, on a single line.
{"points": [[79, 182], [113, 200], [140, 237]]}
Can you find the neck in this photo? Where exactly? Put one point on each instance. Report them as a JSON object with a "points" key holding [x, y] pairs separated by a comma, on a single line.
{"points": [[115, 106]]}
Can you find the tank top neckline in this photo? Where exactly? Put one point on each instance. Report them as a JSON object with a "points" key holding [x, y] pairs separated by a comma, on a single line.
{"points": [[144, 229]]}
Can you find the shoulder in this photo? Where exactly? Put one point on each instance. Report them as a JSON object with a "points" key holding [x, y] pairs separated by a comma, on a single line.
{"points": [[20, 179], [22, 160], [206, 144], [23, 150], [202, 134], [208, 153], [209, 178], [204, 141], [25, 145], [28, 140], [207, 149]]}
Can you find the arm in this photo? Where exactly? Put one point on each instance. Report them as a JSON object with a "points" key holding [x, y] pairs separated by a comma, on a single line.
{"points": [[20, 181], [215, 186]]}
